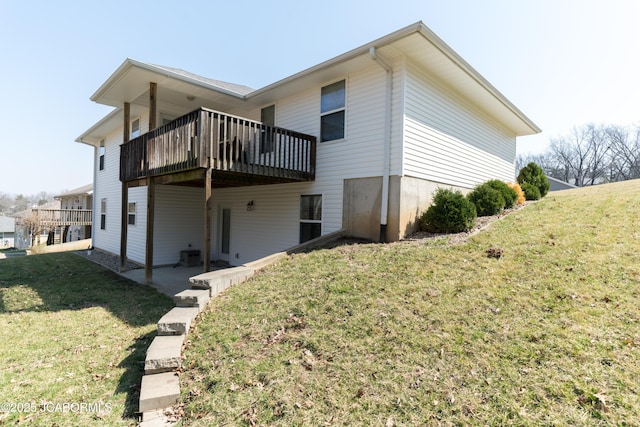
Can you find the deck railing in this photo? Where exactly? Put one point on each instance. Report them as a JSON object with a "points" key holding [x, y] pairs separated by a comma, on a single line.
{"points": [[63, 216], [206, 138]]}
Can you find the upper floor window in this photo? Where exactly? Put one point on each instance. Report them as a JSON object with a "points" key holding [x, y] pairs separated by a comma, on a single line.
{"points": [[267, 117], [101, 152], [332, 111], [135, 128]]}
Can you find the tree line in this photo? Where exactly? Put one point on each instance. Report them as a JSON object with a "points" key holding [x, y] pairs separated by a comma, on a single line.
{"points": [[11, 204], [591, 154]]}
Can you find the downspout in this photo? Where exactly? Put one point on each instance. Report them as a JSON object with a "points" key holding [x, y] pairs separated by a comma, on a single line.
{"points": [[384, 207]]}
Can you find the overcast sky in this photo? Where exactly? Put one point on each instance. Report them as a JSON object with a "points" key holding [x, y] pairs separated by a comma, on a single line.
{"points": [[563, 63]]}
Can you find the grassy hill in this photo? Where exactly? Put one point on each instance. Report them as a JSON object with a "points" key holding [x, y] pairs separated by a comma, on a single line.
{"points": [[437, 334]]}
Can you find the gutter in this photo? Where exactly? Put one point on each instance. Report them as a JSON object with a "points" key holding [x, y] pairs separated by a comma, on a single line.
{"points": [[384, 205]]}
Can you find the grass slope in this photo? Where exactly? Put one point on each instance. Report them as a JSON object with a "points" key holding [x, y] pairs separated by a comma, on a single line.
{"points": [[72, 333], [414, 334]]}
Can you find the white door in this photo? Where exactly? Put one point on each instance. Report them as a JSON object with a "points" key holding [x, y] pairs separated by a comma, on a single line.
{"points": [[225, 233]]}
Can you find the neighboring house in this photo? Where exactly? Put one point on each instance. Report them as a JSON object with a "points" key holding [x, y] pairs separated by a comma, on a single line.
{"points": [[7, 231], [557, 184], [358, 142], [29, 228], [75, 216]]}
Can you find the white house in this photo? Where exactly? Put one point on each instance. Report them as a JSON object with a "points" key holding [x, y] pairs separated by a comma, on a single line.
{"points": [[358, 142], [7, 231], [74, 218]]}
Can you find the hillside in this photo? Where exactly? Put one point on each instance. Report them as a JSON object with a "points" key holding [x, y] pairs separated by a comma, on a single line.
{"points": [[427, 332]]}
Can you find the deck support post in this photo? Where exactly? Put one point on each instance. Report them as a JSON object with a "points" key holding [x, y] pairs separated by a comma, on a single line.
{"points": [[207, 220], [148, 257], [153, 91], [124, 226]]}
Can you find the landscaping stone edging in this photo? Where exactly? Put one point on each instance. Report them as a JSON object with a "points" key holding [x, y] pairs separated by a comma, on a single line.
{"points": [[160, 386]]}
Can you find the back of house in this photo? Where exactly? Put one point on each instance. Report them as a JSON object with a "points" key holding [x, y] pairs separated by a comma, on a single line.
{"points": [[357, 143]]}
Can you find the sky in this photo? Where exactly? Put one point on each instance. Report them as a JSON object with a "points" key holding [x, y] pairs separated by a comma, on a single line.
{"points": [[563, 63]]}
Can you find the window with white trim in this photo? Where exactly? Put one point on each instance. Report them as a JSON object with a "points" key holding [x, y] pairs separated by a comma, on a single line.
{"points": [[103, 214], [310, 217], [267, 140], [101, 152], [131, 215], [332, 111], [135, 128]]}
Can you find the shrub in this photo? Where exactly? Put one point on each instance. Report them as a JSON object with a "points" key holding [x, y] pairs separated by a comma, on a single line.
{"points": [[508, 194], [533, 174], [450, 212], [487, 200], [531, 192], [520, 199]]}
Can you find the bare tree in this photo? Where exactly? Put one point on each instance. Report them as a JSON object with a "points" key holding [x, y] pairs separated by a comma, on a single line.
{"points": [[625, 152], [581, 156]]}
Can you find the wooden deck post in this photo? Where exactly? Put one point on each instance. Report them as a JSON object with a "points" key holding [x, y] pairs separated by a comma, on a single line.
{"points": [[124, 207], [207, 220], [148, 258], [124, 226], [153, 91]]}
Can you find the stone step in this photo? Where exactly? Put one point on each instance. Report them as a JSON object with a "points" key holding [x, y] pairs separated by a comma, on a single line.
{"points": [[192, 298], [164, 354], [159, 391], [177, 321], [219, 280]]}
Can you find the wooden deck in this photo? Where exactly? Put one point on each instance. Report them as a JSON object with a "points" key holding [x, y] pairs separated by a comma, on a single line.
{"points": [[238, 151], [63, 217]]}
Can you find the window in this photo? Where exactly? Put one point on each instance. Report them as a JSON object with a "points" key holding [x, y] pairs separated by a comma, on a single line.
{"points": [[135, 128], [131, 217], [101, 152], [268, 117], [310, 217], [103, 214], [332, 109]]}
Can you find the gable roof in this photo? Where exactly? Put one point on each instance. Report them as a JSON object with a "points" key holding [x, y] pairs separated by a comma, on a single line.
{"points": [[80, 191], [416, 42]]}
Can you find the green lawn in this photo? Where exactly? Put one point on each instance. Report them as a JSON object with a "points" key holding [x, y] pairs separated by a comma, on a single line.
{"points": [[434, 334], [74, 338]]}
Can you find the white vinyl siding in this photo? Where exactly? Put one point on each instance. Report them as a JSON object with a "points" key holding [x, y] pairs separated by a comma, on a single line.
{"points": [[107, 185], [450, 141]]}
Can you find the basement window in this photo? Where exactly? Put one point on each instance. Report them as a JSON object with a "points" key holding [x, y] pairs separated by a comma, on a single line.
{"points": [[310, 217], [131, 216], [103, 214]]}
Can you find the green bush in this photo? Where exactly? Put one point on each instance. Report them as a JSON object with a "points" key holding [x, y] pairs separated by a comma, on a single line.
{"points": [[508, 194], [534, 175], [450, 212], [531, 192], [487, 200]]}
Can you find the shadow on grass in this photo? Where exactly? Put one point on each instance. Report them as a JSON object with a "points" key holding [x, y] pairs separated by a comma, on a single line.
{"points": [[132, 377], [64, 281], [58, 282]]}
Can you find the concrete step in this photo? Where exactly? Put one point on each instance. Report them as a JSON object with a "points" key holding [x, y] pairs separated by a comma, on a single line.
{"points": [[159, 391], [164, 354], [219, 280], [177, 321], [192, 298]]}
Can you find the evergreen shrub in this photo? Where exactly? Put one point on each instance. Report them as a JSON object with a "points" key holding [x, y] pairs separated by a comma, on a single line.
{"points": [[487, 200], [534, 175], [450, 212]]}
